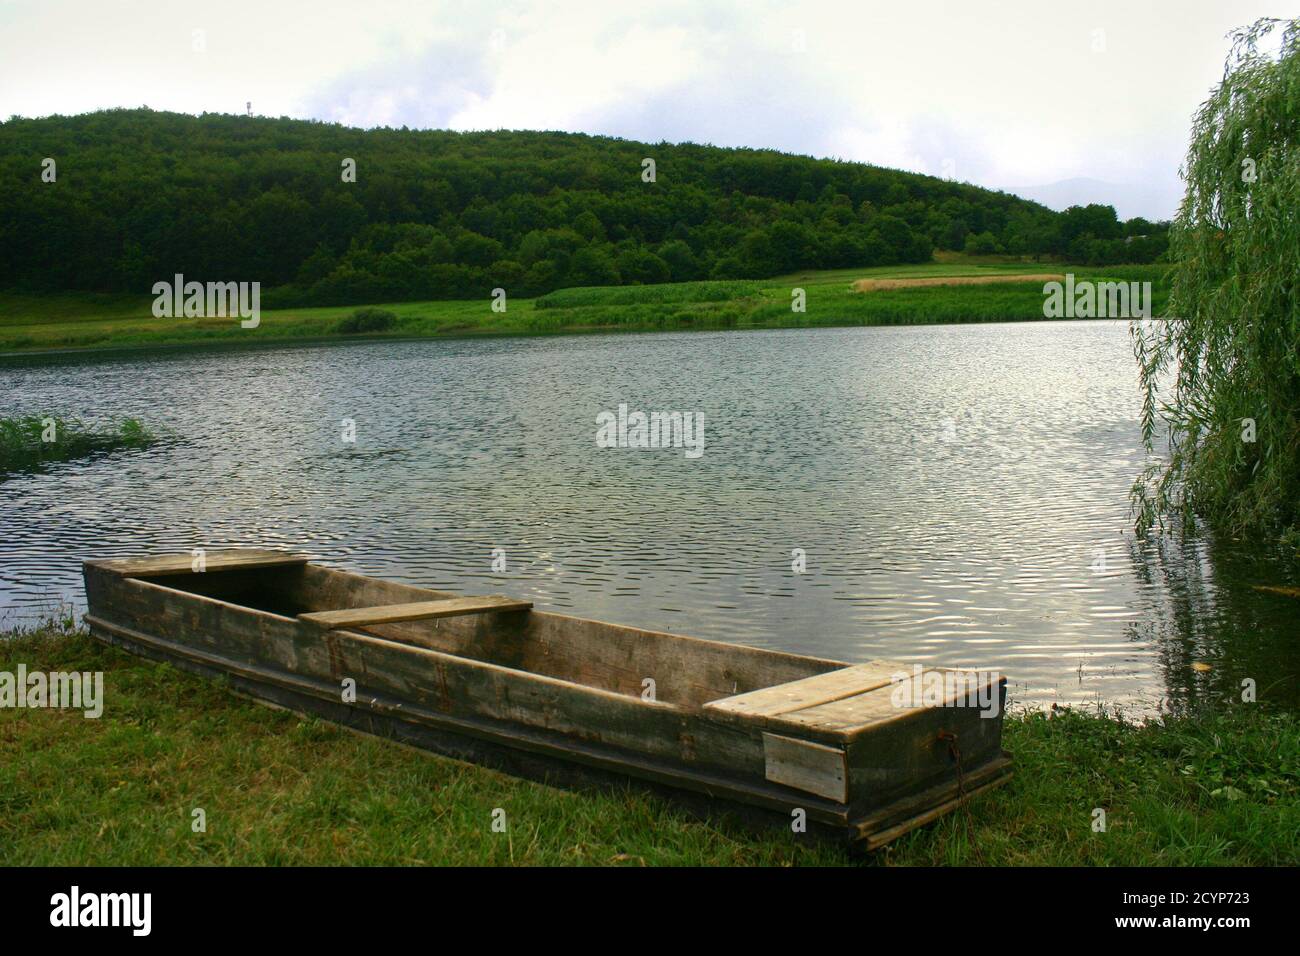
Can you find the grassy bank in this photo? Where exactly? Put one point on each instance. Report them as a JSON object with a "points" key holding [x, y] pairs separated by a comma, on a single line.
{"points": [[87, 321], [277, 788], [27, 442]]}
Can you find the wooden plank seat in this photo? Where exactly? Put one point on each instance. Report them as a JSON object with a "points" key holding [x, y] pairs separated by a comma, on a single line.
{"points": [[240, 559], [414, 611], [841, 702], [809, 692], [853, 713]]}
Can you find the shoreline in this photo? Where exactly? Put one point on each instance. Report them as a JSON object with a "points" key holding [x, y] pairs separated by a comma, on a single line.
{"points": [[279, 788], [290, 340]]}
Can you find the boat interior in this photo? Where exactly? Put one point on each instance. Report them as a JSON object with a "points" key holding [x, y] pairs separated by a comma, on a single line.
{"points": [[686, 672]]}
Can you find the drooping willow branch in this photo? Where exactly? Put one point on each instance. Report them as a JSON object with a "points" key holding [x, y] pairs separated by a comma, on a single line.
{"points": [[1220, 376]]}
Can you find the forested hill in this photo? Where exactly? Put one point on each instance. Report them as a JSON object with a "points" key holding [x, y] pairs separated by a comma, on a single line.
{"points": [[138, 196]]}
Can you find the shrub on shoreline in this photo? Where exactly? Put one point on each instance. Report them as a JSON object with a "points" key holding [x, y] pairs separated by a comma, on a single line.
{"points": [[366, 320]]}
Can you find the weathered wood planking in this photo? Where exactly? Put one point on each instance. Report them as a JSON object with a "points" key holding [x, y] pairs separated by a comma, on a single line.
{"points": [[439, 681], [413, 611], [857, 713], [905, 815], [814, 768], [685, 671], [811, 691], [716, 723], [212, 561], [891, 748], [448, 734]]}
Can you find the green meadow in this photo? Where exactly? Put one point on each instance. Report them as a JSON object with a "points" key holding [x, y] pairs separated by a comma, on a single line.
{"points": [[83, 320], [277, 788]]}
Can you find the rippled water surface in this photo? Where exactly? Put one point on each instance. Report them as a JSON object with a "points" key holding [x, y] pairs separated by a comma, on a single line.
{"points": [[960, 493]]}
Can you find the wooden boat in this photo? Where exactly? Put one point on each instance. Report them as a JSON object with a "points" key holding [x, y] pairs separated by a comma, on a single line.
{"points": [[490, 680]]}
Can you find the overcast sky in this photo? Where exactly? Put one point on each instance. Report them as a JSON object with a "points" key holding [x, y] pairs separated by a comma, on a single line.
{"points": [[1011, 95]]}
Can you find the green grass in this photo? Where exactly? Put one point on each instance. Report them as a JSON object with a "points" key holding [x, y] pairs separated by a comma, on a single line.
{"points": [[671, 293], [82, 321], [30, 441], [278, 788]]}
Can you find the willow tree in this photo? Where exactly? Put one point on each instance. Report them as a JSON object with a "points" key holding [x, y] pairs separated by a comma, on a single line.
{"points": [[1221, 375]]}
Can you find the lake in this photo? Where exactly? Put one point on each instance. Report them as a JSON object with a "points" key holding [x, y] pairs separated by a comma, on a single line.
{"points": [[955, 495]]}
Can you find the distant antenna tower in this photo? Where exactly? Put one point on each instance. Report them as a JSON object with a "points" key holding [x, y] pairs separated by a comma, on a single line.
{"points": [[249, 107]]}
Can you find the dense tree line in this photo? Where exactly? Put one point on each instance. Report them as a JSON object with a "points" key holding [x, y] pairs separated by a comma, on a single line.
{"points": [[138, 196]]}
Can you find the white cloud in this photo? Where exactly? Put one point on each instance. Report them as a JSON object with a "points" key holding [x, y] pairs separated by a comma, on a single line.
{"points": [[1004, 94]]}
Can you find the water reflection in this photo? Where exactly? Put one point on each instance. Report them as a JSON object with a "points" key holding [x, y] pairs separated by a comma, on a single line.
{"points": [[1218, 638]]}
